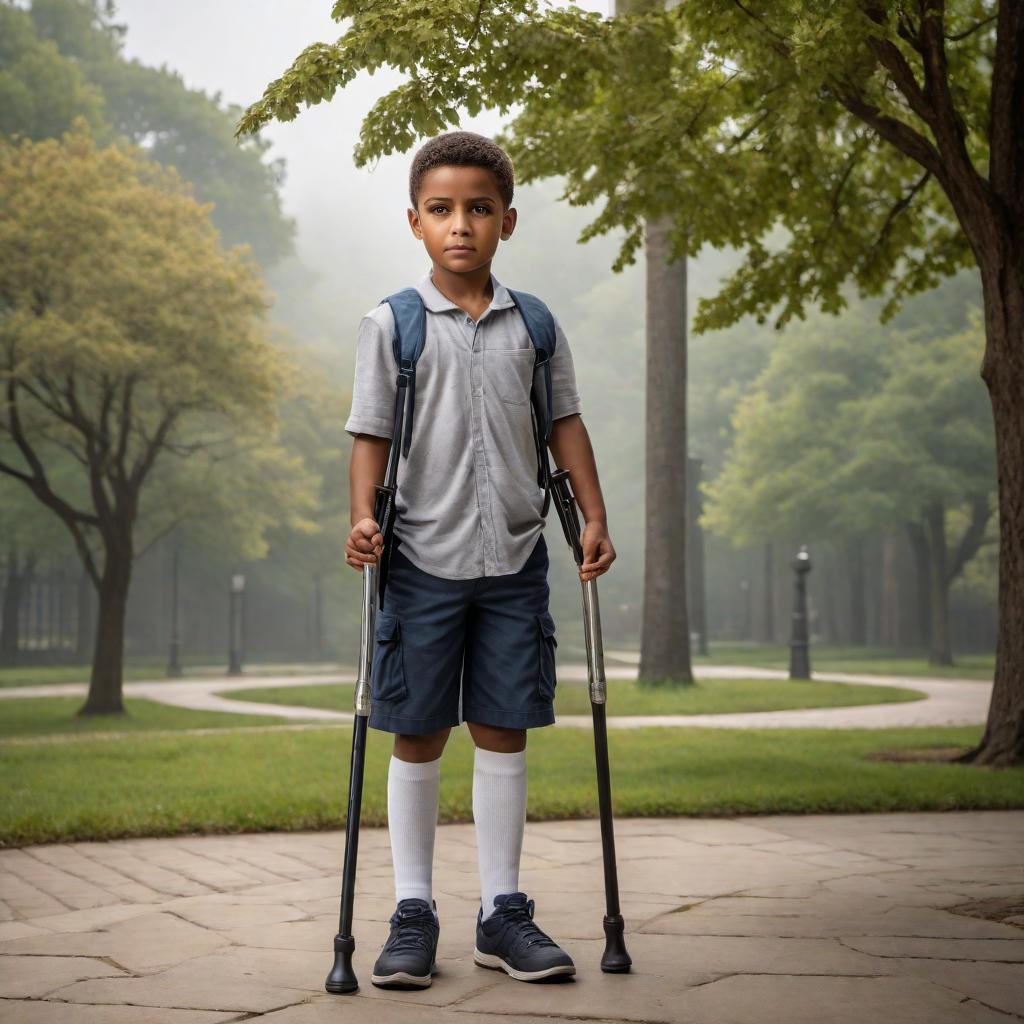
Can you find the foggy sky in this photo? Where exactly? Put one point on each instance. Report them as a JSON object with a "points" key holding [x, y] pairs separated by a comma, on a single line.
{"points": [[351, 222]]}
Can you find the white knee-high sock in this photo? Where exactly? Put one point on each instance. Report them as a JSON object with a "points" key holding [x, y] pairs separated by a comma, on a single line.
{"points": [[413, 792], [499, 811]]}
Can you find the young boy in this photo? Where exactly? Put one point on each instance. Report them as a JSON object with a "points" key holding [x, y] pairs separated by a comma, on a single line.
{"points": [[467, 593]]}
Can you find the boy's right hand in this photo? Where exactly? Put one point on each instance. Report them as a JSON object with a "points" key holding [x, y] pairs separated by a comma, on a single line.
{"points": [[365, 544]]}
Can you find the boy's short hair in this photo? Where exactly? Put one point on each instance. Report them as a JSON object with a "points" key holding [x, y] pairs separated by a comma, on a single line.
{"points": [[462, 149]]}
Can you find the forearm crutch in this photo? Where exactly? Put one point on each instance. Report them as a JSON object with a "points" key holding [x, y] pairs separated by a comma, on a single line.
{"points": [[342, 978], [615, 959]]}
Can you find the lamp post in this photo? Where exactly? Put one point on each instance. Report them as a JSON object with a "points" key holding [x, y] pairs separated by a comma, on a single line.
{"points": [[174, 669], [799, 644], [235, 625]]}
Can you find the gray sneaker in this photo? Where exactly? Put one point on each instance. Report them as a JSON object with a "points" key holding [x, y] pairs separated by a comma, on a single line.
{"points": [[509, 941], [408, 957]]}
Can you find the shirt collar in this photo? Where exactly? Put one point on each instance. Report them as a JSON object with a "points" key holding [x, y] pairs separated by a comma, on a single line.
{"points": [[437, 302]]}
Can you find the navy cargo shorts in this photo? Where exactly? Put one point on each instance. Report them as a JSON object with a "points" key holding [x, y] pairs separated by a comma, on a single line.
{"points": [[493, 635]]}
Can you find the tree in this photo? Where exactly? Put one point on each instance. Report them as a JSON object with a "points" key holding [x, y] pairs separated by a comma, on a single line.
{"points": [[851, 429], [63, 58], [882, 136], [41, 91], [130, 339]]}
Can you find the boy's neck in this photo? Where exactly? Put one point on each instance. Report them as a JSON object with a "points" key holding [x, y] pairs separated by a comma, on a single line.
{"points": [[471, 291]]}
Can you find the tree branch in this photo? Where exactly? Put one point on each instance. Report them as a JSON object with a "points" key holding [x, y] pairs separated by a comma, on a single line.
{"points": [[159, 535], [974, 28], [972, 538], [901, 204], [1006, 140], [146, 460], [906, 139]]}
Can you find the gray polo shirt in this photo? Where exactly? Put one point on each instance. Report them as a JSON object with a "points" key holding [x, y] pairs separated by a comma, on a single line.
{"points": [[468, 502]]}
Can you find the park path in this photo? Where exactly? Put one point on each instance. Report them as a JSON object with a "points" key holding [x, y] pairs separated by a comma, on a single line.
{"points": [[947, 701], [768, 919]]}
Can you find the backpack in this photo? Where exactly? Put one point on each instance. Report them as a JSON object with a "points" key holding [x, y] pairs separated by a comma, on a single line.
{"points": [[407, 344]]}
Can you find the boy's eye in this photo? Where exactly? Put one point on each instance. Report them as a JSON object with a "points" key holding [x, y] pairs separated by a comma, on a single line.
{"points": [[440, 208]]}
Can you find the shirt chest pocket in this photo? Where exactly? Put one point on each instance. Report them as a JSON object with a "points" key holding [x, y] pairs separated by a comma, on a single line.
{"points": [[509, 374]]}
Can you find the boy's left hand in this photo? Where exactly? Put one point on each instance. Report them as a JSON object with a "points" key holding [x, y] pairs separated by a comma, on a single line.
{"points": [[598, 553]]}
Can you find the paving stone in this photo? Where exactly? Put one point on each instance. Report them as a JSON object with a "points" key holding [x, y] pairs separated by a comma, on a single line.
{"points": [[996, 950], [998, 985], [330, 1010], [28, 977], [73, 891], [25, 900], [205, 983], [241, 917], [18, 930], [822, 918], [146, 943], [146, 870], [648, 993], [62, 1013], [773, 918], [93, 918], [787, 999]]}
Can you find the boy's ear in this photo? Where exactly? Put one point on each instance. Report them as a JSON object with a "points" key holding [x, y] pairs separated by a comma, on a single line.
{"points": [[508, 223], [414, 223]]}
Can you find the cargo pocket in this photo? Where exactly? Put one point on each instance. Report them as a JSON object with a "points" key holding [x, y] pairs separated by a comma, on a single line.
{"points": [[548, 643], [387, 679]]}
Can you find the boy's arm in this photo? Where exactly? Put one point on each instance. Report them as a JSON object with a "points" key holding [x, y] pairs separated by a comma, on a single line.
{"points": [[366, 468], [572, 451]]}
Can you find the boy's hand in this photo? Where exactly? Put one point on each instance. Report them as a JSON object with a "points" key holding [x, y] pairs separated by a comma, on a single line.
{"points": [[365, 544], [598, 553]]}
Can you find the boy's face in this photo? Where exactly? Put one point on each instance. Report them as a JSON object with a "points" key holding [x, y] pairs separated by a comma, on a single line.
{"points": [[460, 217]]}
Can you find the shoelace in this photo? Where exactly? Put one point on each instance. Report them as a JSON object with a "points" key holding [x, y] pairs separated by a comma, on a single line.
{"points": [[521, 912], [410, 930]]}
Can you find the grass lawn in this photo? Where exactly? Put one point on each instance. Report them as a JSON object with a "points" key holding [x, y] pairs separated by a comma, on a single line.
{"points": [[876, 661], [142, 671], [237, 781], [45, 716], [708, 696]]}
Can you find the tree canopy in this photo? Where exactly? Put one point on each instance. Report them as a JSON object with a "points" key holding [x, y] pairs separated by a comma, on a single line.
{"points": [[734, 122]]}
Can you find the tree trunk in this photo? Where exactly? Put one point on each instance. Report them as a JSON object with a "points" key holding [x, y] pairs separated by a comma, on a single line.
{"points": [[106, 679], [854, 565], [665, 629], [1003, 372], [10, 616], [939, 651], [698, 606], [768, 594], [922, 600], [83, 615], [889, 621]]}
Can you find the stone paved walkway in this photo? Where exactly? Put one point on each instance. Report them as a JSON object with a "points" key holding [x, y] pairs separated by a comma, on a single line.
{"points": [[948, 701], [750, 920]]}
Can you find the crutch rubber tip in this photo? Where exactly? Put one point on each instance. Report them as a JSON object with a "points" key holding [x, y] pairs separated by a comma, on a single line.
{"points": [[615, 960], [342, 978]]}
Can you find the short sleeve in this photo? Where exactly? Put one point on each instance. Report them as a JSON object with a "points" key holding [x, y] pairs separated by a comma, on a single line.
{"points": [[565, 398], [373, 389]]}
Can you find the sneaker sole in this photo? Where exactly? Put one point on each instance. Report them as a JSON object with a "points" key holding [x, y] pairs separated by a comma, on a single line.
{"points": [[495, 963], [402, 979]]}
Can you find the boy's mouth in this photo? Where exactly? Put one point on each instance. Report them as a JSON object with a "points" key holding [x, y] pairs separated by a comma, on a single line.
{"points": [[458, 248]]}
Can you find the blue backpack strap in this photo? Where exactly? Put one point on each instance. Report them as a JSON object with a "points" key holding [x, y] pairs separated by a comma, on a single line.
{"points": [[407, 344], [541, 327]]}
